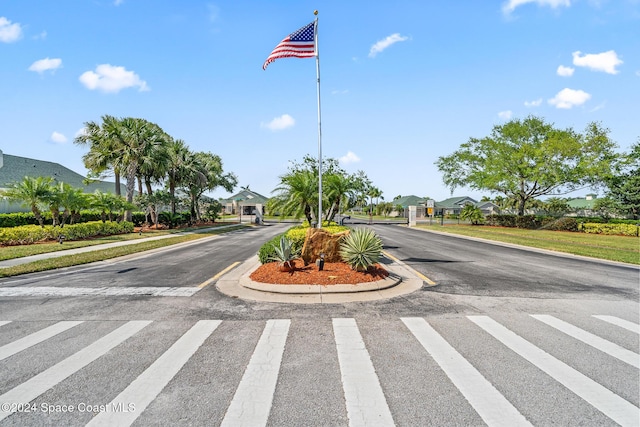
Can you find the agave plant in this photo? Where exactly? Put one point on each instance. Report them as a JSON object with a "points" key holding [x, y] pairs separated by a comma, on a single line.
{"points": [[285, 253], [361, 248]]}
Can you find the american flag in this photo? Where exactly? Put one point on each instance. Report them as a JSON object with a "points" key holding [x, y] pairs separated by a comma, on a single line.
{"points": [[299, 44]]}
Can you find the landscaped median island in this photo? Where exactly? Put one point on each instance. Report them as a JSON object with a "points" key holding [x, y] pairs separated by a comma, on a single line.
{"points": [[331, 256]]}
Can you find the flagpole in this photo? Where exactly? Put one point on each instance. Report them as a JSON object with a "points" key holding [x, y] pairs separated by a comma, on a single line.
{"points": [[315, 32]]}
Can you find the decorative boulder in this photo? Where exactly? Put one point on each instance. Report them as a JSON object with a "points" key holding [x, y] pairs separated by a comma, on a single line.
{"points": [[319, 241]]}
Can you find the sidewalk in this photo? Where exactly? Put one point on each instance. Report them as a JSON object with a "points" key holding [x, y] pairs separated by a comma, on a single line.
{"points": [[57, 254]]}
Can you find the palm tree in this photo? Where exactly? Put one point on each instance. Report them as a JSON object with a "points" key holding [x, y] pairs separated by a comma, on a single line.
{"points": [[179, 155], [132, 140], [72, 200], [297, 194], [102, 157], [31, 192], [338, 190], [203, 172], [471, 213]]}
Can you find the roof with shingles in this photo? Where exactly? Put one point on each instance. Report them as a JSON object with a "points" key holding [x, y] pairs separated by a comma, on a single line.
{"points": [[455, 202], [13, 169], [247, 196], [583, 202], [409, 201]]}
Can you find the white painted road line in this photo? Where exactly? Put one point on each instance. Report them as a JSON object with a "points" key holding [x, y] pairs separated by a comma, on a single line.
{"points": [[366, 404], [629, 326], [4, 322], [251, 404], [601, 398], [594, 341], [144, 389], [34, 387], [35, 338], [489, 403], [164, 291]]}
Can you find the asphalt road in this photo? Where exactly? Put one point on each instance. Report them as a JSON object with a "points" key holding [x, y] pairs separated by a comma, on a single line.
{"points": [[506, 336]]}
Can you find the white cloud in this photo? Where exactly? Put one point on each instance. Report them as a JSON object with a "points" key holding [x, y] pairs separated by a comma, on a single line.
{"points": [[534, 103], [350, 157], [42, 65], [80, 132], [565, 71], [58, 138], [41, 36], [605, 61], [568, 98], [505, 115], [9, 32], [279, 123], [339, 92], [598, 107], [117, 2], [112, 79], [511, 5], [381, 45], [214, 12], [638, 73]]}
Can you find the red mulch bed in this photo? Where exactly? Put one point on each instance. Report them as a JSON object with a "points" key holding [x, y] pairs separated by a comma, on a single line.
{"points": [[333, 273]]}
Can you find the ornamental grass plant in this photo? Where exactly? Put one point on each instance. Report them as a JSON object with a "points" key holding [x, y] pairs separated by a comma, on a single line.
{"points": [[361, 249]]}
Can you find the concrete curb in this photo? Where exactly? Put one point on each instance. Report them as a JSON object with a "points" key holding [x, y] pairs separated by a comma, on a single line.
{"points": [[237, 284]]}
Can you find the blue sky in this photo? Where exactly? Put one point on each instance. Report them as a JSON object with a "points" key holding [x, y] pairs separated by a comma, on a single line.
{"points": [[402, 83]]}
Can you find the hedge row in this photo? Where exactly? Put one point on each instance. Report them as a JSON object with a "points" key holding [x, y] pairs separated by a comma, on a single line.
{"points": [[623, 228], [296, 235], [613, 229], [18, 219], [28, 234]]}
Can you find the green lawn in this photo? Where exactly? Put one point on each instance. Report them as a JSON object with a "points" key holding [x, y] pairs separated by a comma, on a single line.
{"points": [[103, 254], [613, 248]]}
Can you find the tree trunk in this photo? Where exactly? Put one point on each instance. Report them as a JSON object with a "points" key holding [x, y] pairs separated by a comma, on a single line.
{"points": [[117, 176], [152, 207], [131, 184]]}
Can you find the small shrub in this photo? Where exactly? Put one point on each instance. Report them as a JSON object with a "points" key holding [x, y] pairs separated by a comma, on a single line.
{"points": [[284, 252], [611, 229], [561, 224], [361, 248]]}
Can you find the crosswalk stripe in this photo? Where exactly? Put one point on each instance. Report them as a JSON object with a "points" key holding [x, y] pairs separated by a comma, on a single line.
{"points": [[594, 341], [251, 404], [366, 404], [488, 402], [601, 398], [629, 326], [35, 338], [53, 291], [42, 382], [141, 392], [4, 322]]}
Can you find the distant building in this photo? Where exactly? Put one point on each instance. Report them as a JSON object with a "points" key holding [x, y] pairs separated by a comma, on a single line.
{"points": [[454, 205], [583, 206], [243, 202], [13, 169]]}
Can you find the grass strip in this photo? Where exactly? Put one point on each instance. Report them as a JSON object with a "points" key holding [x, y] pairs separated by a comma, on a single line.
{"points": [[613, 248], [104, 254]]}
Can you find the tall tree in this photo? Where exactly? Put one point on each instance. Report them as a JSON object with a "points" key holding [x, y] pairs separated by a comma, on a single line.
{"points": [[524, 159], [179, 155], [624, 182], [297, 195], [101, 159], [204, 172]]}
